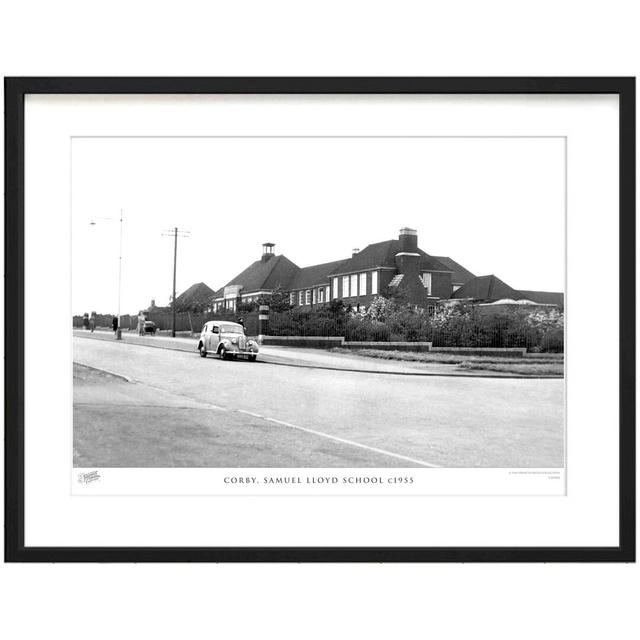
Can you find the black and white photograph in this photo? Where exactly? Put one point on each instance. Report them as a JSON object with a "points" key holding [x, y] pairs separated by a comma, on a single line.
{"points": [[318, 302], [320, 320], [360, 317]]}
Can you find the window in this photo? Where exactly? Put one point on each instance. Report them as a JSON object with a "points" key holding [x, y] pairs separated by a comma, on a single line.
{"points": [[335, 288], [327, 295], [363, 284], [374, 282], [292, 298], [314, 297], [321, 294], [308, 297], [456, 287], [345, 286], [354, 285], [300, 298], [426, 281]]}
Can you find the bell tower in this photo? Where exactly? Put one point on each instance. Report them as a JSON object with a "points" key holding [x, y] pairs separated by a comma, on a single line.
{"points": [[267, 251]]}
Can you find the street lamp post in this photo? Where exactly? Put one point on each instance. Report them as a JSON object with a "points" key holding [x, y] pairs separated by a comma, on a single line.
{"points": [[119, 328]]}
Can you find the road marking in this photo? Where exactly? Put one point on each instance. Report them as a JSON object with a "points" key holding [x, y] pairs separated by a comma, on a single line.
{"points": [[353, 444], [204, 403], [399, 456], [250, 413]]}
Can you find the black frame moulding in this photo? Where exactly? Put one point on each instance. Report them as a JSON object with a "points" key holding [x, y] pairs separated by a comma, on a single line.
{"points": [[15, 91]]}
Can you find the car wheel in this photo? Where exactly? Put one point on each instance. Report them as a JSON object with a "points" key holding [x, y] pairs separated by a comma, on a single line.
{"points": [[223, 353], [202, 350], [252, 358]]}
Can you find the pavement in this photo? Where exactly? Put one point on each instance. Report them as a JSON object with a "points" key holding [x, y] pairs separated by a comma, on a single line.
{"points": [[167, 407], [309, 358]]}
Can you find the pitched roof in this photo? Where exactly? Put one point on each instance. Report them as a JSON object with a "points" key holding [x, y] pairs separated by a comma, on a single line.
{"points": [[316, 274], [383, 254], [429, 263], [197, 294], [278, 271], [544, 297], [486, 288], [460, 275]]}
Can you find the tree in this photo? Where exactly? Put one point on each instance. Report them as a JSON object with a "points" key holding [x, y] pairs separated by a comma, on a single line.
{"points": [[278, 300]]}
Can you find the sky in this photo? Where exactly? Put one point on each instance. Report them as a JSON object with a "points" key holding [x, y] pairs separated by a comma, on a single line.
{"points": [[495, 205]]}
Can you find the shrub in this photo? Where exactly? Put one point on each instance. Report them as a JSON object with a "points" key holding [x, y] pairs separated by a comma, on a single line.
{"points": [[463, 326], [456, 325]]}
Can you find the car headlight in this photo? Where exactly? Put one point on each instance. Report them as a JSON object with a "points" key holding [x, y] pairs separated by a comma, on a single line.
{"points": [[234, 341]]}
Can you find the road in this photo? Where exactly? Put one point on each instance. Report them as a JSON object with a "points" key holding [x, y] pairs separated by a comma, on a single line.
{"points": [[183, 410]]}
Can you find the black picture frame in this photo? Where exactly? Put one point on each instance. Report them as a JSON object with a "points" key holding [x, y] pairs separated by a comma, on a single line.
{"points": [[15, 91]]}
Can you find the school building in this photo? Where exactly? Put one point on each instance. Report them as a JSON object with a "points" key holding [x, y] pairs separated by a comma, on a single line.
{"points": [[383, 268]]}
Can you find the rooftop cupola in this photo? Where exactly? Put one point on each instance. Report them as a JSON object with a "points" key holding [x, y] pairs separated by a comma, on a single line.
{"points": [[267, 251]]}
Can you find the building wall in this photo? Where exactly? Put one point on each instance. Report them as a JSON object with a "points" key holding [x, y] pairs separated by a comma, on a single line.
{"points": [[385, 278], [360, 288], [363, 290], [441, 286]]}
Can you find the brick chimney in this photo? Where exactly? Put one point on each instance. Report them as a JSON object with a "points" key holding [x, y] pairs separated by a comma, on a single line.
{"points": [[267, 251], [408, 265], [354, 252], [408, 240], [408, 258]]}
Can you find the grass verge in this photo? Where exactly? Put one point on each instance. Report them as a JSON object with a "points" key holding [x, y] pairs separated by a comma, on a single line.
{"points": [[534, 364], [521, 368]]}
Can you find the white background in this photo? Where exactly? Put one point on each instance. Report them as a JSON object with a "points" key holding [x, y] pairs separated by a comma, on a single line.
{"points": [[401, 38], [587, 516]]}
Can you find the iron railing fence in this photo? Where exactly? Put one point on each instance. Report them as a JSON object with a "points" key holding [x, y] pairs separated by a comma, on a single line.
{"points": [[494, 332], [193, 322]]}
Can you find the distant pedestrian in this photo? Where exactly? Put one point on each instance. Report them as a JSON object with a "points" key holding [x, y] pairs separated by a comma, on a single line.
{"points": [[92, 321], [85, 321], [141, 320], [114, 324]]}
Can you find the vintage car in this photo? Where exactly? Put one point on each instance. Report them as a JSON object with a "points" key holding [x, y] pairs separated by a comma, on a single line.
{"points": [[227, 340], [150, 327]]}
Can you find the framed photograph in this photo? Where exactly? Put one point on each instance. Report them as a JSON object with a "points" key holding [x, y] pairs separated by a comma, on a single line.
{"points": [[320, 319]]}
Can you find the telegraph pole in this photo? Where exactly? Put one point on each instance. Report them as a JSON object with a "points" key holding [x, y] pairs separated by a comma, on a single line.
{"points": [[175, 232], [175, 262]]}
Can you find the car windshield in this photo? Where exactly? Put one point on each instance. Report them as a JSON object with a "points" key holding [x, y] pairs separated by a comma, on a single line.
{"points": [[231, 328]]}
